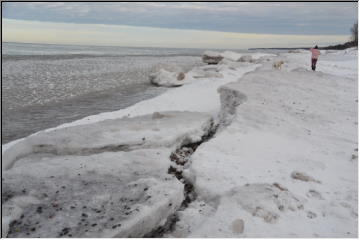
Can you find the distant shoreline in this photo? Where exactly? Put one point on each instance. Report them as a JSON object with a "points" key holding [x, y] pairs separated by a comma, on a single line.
{"points": [[252, 49], [331, 47]]}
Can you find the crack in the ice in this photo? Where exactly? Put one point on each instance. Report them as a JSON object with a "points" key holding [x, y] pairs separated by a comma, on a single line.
{"points": [[180, 157], [230, 99]]}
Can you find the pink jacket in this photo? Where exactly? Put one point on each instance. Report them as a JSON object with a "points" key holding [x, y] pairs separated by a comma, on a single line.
{"points": [[315, 53]]}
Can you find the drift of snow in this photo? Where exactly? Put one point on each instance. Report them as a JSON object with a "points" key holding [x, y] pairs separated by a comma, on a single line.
{"points": [[286, 165]]}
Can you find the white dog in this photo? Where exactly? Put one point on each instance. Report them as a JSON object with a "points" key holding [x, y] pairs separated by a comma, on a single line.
{"points": [[277, 65]]}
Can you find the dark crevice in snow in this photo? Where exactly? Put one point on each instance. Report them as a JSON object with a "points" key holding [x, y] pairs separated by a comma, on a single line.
{"points": [[230, 99], [180, 159]]}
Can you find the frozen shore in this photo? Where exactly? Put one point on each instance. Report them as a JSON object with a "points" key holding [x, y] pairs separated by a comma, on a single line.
{"points": [[282, 161]]}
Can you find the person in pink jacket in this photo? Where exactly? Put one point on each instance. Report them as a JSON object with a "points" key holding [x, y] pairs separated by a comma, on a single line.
{"points": [[314, 57]]}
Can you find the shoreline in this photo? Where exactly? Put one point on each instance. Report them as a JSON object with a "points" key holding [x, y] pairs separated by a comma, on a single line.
{"points": [[262, 117], [94, 85], [340, 46]]}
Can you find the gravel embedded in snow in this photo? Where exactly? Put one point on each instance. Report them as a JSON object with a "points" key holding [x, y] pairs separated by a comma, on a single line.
{"points": [[106, 179], [118, 194]]}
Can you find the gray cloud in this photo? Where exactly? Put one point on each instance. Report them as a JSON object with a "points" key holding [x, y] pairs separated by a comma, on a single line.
{"points": [[285, 18]]}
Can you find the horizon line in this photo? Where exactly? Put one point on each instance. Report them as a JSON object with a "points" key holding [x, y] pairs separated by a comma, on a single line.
{"points": [[123, 46]]}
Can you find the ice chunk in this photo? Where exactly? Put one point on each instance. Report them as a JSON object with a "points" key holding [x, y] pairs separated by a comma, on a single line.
{"points": [[167, 79], [118, 194], [212, 57], [246, 58], [171, 130], [167, 75]]}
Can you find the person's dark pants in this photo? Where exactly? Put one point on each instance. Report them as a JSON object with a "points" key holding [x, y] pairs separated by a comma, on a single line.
{"points": [[313, 63]]}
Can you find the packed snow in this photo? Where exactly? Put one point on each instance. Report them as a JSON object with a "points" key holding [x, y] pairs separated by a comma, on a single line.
{"points": [[283, 162], [286, 166]]}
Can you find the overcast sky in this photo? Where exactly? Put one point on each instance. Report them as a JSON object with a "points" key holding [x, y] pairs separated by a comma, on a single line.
{"points": [[173, 24]]}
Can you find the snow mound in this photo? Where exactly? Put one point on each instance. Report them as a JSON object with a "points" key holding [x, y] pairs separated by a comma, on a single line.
{"points": [[212, 53], [166, 129], [167, 79], [167, 75], [246, 58], [212, 57], [283, 112], [255, 116]]}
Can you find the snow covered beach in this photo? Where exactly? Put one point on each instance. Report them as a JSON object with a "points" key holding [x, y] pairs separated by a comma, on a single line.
{"points": [[281, 159]]}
